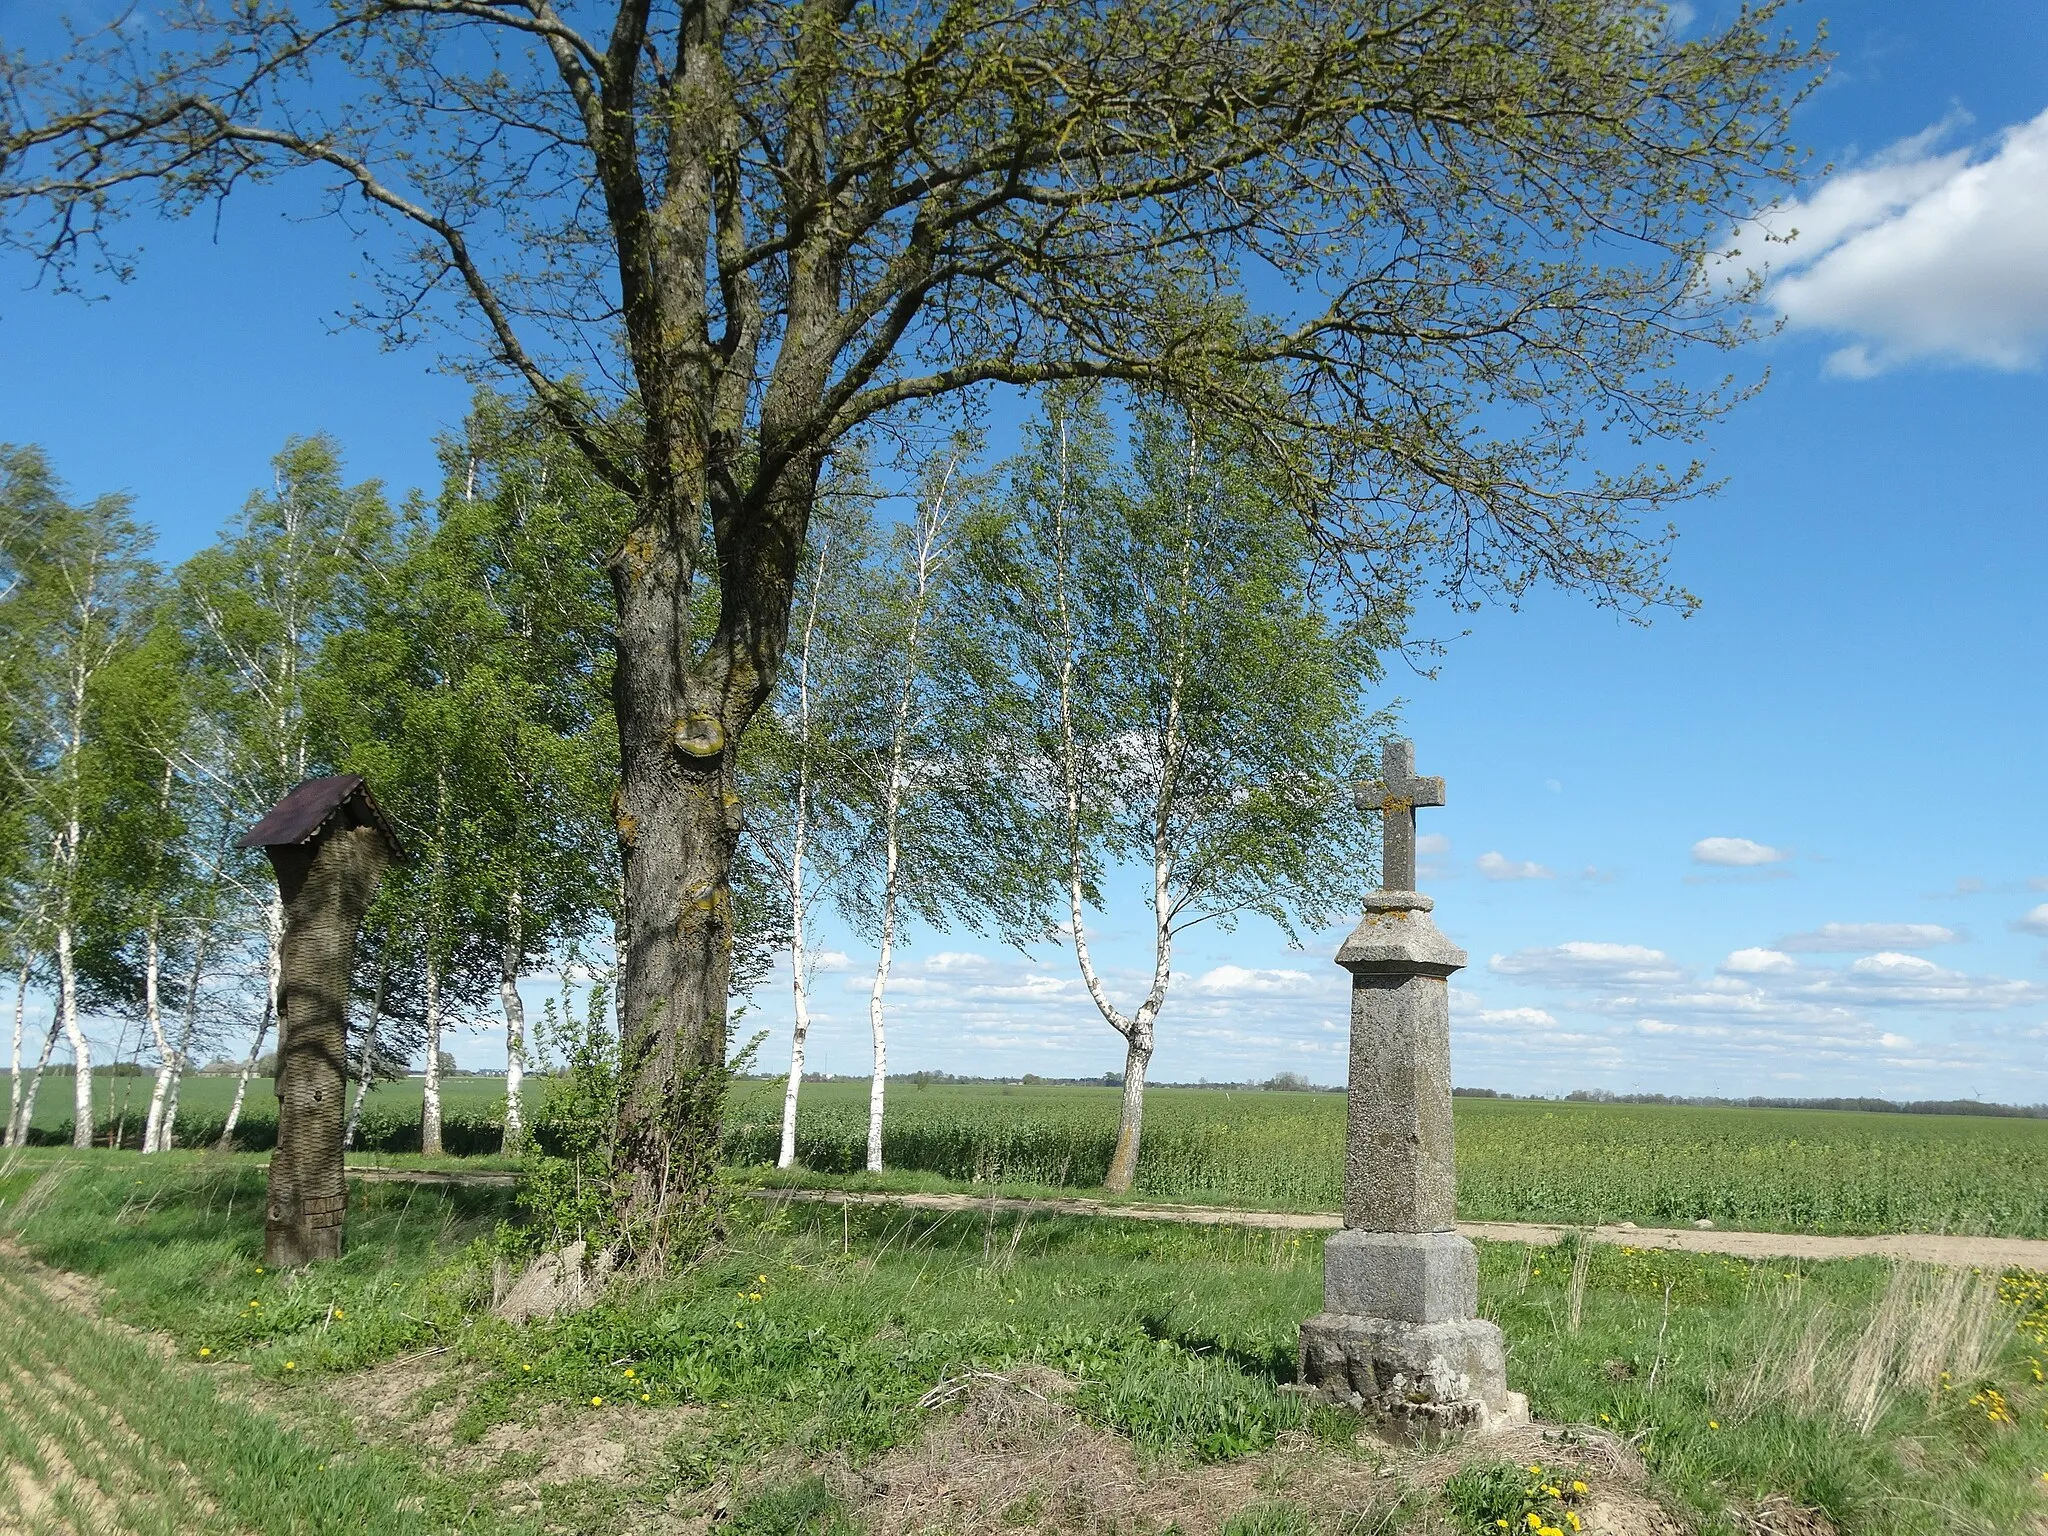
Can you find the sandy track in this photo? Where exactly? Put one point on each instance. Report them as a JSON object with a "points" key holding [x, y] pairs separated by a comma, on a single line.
{"points": [[1922, 1247]]}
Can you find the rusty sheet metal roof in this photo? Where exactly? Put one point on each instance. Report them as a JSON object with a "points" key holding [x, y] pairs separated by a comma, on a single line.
{"points": [[311, 807]]}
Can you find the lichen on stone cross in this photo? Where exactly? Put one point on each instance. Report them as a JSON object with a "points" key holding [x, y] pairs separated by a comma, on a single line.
{"points": [[1395, 796]]}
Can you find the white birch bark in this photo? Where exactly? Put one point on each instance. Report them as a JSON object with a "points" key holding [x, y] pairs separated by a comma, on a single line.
{"points": [[430, 1100], [227, 1130], [163, 1108], [81, 1048], [153, 1015], [511, 961], [35, 1082], [273, 962], [799, 959], [14, 1056]]}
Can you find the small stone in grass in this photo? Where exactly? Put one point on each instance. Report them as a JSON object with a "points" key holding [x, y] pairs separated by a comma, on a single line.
{"points": [[1704, 1225]]}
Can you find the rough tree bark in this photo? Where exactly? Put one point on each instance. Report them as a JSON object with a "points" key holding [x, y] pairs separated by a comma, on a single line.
{"points": [[325, 887]]}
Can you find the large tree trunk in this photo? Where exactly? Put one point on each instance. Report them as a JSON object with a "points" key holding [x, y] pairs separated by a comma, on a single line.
{"points": [[511, 960], [430, 1088], [679, 823], [81, 1048], [325, 889]]}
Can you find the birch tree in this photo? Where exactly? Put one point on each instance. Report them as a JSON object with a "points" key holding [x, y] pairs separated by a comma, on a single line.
{"points": [[80, 582], [1198, 710], [258, 605], [1462, 235]]}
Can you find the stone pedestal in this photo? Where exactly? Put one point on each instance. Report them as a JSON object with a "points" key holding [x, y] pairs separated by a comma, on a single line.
{"points": [[1399, 1337]]}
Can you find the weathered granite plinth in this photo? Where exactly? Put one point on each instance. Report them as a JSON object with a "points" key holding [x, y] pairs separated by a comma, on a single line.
{"points": [[1399, 1337], [1418, 1380]]}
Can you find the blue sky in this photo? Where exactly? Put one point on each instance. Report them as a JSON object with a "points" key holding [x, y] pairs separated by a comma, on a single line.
{"points": [[1795, 844]]}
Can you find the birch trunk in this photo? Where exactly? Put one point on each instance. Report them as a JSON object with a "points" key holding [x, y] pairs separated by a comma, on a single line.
{"points": [[273, 962], [930, 532], [511, 961], [355, 1110], [799, 979], [163, 1107], [14, 1056], [81, 1048], [430, 1098], [153, 1015], [227, 1130], [35, 1083]]}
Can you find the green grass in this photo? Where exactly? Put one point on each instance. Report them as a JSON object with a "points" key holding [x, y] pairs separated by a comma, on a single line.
{"points": [[1519, 1160], [115, 1438], [810, 1334]]}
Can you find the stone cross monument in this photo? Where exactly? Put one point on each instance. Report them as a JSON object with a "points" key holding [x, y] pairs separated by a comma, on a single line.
{"points": [[1399, 1336]]}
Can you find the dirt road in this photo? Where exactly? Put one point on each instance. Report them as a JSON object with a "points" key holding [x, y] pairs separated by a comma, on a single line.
{"points": [[1925, 1248]]}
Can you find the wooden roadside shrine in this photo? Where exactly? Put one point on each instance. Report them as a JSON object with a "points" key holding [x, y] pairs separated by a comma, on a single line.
{"points": [[330, 843]]}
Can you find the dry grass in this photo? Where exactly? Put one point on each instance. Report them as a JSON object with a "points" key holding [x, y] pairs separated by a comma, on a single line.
{"points": [[1932, 1326], [1016, 1457]]}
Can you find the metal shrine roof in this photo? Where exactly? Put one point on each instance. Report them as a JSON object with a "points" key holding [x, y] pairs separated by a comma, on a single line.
{"points": [[310, 808]]}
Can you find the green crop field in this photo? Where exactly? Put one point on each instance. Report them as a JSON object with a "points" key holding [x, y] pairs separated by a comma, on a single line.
{"points": [[1518, 1160]]}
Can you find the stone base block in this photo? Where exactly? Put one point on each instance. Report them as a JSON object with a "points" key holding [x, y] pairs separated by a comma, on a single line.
{"points": [[1408, 1277], [1418, 1380]]}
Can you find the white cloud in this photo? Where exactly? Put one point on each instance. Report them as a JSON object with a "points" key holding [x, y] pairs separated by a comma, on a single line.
{"points": [[1496, 867], [1759, 962], [957, 960], [1583, 963], [1842, 938], [1432, 842], [2035, 921], [1236, 981], [1517, 1018], [830, 960], [1736, 852], [1919, 255]]}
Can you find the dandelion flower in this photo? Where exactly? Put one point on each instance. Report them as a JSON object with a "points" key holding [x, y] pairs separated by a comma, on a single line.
{"points": [[204, 1351], [1578, 1487], [739, 1322], [646, 1397], [339, 1313], [629, 1373], [597, 1402], [1535, 1522], [1713, 1423], [291, 1365]]}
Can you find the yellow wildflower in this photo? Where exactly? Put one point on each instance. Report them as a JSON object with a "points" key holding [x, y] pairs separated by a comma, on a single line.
{"points": [[1713, 1423], [291, 1365], [646, 1397], [1579, 1487], [597, 1402], [204, 1351], [629, 1373]]}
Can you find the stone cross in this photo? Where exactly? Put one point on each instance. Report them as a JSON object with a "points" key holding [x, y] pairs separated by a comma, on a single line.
{"points": [[1400, 1337], [1395, 796]]}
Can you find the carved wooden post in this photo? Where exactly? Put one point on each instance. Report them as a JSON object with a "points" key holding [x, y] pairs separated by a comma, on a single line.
{"points": [[329, 843]]}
